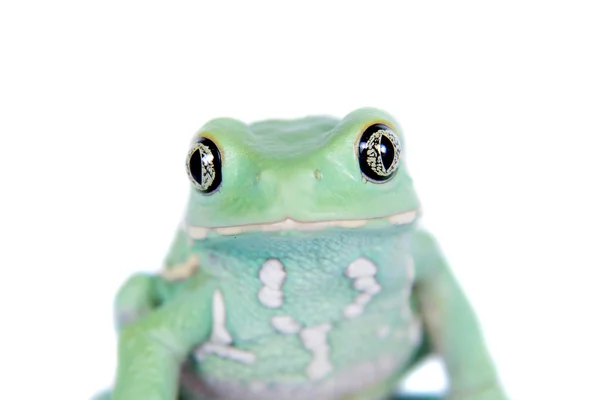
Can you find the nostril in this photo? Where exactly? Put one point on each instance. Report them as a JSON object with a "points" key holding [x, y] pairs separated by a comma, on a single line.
{"points": [[318, 174]]}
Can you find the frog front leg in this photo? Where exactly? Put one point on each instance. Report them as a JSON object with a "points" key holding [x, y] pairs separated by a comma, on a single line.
{"points": [[136, 298], [153, 348], [451, 326], [144, 292]]}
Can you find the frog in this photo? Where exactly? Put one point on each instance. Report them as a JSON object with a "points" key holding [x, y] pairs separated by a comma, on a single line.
{"points": [[301, 270]]}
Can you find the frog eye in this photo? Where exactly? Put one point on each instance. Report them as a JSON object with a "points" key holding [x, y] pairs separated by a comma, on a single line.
{"points": [[204, 166], [379, 153]]}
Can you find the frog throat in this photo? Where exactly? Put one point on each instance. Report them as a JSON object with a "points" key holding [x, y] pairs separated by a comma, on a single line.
{"points": [[288, 224]]}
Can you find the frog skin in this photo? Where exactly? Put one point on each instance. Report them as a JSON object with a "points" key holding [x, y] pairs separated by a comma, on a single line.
{"points": [[300, 272]]}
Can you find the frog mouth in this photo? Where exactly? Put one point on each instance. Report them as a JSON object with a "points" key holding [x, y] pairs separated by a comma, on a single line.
{"points": [[288, 224]]}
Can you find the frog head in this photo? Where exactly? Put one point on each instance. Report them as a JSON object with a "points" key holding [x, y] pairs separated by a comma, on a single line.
{"points": [[307, 174]]}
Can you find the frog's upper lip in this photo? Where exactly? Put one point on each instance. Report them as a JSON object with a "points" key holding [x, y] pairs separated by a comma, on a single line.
{"points": [[200, 232]]}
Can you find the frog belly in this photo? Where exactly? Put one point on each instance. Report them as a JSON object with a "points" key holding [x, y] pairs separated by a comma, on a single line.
{"points": [[346, 382], [361, 353]]}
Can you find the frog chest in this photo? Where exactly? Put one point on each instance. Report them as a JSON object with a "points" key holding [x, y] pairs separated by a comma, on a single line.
{"points": [[267, 295]]}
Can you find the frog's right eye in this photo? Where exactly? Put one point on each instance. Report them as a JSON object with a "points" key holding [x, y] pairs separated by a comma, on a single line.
{"points": [[204, 166], [379, 153]]}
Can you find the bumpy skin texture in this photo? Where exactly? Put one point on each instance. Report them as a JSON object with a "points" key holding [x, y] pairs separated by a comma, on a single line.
{"points": [[261, 299]]}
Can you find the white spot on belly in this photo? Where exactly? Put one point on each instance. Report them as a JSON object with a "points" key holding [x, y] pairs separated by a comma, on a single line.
{"points": [[320, 365], [363, 271], [224, 351], [220, 338], [270, 297], [362, 299], [285, 324], [219, 331], [314, 339], [353, 310], [272, 275], [361, 267], [367, 284]]}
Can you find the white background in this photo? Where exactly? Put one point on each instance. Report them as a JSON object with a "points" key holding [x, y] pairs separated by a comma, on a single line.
{"points": [[500, 107]]}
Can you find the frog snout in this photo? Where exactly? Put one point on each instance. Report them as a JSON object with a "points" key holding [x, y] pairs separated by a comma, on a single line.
{"points": [[289, 189]]}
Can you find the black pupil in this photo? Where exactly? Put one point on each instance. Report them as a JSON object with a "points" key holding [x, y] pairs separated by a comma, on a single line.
{"points": [[386, 149], [196, 166], [204, 166]]}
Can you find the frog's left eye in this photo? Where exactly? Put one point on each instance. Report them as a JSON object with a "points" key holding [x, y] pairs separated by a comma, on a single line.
{"points": [[379, 153], [204, 166]]}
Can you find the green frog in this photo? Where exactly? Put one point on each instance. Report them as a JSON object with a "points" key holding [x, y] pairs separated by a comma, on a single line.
{"points": [[300, 271]]}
